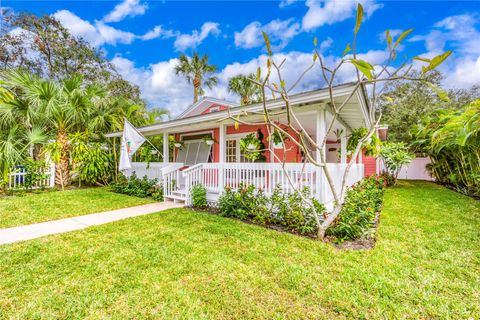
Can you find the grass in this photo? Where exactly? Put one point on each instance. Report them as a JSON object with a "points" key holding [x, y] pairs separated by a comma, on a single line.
{"points": [[32, 208], [184, 264]]}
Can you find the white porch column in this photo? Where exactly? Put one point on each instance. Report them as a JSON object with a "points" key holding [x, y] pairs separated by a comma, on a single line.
{"points": [[343, 146], [321, 131], [222, 154], [166, 149], [222, 143]]}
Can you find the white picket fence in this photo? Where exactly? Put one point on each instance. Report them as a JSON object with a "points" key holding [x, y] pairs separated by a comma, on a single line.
{"points": [[17, 179]]}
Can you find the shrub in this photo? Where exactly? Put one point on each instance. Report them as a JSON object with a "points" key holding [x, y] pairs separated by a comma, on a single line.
{"points": [[93, 163], [141, 188], [199, 196], [36, 171], [362, 202], [395, 156], [288, 210]]}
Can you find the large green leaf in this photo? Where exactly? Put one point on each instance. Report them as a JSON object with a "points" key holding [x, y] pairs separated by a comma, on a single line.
{"points": [[364, 67], [435, 62]]}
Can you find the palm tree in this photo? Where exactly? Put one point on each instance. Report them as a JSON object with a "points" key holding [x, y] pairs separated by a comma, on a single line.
{"points": [[248, 90], [198, 72]]}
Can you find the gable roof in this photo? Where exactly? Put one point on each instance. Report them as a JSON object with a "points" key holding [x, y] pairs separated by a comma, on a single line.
{"points": [[203, 104]]}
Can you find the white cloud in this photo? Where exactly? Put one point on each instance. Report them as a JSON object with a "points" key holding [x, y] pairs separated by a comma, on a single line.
{"points": [[158, 32], [331, 11], [280, 32], [459, 33], [161, 87], [185, 41], [159, 84], [96, 34], [113, 36], [325, 44], [286, 3], [128, 8]]}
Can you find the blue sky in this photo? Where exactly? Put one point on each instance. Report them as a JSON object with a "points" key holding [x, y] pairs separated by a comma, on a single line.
{"points": [[144, 38]]}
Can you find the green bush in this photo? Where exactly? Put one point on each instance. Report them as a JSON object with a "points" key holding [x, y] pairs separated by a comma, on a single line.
{"points": [[199, 196], [288, 210], [362, 202], [141, 188], [395, 155]]}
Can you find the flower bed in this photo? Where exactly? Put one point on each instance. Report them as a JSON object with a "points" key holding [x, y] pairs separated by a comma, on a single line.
{"points": [[293, 212]]}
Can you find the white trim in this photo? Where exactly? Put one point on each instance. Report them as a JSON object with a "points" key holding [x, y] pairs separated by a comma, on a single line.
{"points": [[298, 99], [193, 106], [195, 134]]}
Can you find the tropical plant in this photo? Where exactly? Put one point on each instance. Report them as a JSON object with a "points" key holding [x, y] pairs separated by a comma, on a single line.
{"points": [[252, 147], [452, 141], [395, 155], [371, 146], [414, 100], [246, 88], [34, 110], [197, 71], [93, 164]]}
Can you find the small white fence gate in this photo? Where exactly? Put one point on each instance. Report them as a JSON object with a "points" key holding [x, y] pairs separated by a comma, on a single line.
{"points": [[18, 178]]}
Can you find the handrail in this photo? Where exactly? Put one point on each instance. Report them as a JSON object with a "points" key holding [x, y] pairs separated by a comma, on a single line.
{"points": [[192, 168], [172, 167]]}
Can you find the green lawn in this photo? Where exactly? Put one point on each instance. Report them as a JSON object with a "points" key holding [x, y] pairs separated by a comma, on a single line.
{"points": [[183, 264], [32, 208]]}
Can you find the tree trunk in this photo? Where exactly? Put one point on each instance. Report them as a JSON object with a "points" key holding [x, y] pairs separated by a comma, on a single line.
{"points": [[62, 173], [196, 86]]}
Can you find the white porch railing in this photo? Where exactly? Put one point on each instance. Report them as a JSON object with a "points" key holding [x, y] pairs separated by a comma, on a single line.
{"points": [[18, 179], [290, 176], [172, 178]]}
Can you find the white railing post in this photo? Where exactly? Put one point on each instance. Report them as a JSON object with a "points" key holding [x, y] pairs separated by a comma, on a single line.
{"points": [[52, 175], [166, 149], [222, 144]]}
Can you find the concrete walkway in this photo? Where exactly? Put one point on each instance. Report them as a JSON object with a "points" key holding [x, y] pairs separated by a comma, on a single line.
{"points": [[38, 230]]}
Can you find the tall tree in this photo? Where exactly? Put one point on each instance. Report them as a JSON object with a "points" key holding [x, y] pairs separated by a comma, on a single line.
{"points": [[248, 90], [198, 72], [43, 46], [415, 99]]}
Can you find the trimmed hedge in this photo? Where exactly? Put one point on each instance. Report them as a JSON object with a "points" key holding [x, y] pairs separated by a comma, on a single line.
{"points": [[287, 210], [362, 202]]}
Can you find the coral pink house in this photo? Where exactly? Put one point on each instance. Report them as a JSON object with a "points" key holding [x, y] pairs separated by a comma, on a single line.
{"points": [[223, 163]]}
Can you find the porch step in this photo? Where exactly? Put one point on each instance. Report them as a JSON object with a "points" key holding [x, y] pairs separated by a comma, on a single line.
{"points": [[180, 192], [175, 198]]}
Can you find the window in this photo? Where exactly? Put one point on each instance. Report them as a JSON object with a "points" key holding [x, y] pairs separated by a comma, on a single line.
{"points": [[231, 149], [233, 152]]}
